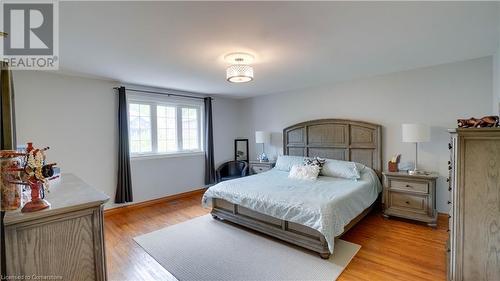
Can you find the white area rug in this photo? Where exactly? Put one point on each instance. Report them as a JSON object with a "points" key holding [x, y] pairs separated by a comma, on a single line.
{"points": [[206, 249]]}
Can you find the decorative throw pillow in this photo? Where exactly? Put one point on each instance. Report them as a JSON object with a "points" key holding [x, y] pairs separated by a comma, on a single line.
{"points": [[340, 169], [285, 162], [302, 172], [316, 161]]}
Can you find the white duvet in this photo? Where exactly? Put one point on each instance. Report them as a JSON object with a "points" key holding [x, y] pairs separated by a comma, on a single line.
{"points": [[327, 204]]}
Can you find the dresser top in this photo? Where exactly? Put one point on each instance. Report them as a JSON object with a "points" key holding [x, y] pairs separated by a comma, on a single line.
{"points": [[66, 194], [263, 162], [461, 130], [405, 174]]}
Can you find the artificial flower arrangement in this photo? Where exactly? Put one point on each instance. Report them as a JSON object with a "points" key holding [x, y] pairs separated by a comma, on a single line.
{"points": [[29, 170]]}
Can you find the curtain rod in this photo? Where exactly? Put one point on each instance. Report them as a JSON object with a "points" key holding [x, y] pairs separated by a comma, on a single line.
{"points": [[162, 93]]}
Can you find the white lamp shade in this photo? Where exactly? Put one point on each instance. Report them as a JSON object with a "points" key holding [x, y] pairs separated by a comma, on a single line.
{"points": [[262, 137], [416, 133]]}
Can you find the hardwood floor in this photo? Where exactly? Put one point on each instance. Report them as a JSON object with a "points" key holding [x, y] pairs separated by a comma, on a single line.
{"points": [[391, 249]]}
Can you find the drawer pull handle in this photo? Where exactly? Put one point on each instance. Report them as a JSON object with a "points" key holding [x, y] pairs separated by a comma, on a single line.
{"points": [[407, 202], [408, 185]]}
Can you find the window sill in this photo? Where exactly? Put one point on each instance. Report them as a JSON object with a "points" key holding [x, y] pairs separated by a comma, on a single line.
{"points": [[165, 155]]}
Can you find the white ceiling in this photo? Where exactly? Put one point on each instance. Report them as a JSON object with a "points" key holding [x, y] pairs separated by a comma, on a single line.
{"points": [[180, 45]]}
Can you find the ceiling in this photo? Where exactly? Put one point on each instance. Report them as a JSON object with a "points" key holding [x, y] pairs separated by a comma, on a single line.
{"points": [[180, 45]]}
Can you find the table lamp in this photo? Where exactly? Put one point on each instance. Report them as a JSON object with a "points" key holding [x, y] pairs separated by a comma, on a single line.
{"points": [[263, 138], [416, 133]]}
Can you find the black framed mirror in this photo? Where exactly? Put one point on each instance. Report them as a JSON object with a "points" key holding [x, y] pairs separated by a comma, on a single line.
{"points": [[241, 150]]}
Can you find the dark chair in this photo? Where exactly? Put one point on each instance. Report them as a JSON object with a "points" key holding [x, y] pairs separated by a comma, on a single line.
{"points": [[231, 170]]}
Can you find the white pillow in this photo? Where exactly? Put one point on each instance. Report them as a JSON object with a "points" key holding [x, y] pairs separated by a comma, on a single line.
{"points": [[285, 162], [340, 169], [301, 172]]}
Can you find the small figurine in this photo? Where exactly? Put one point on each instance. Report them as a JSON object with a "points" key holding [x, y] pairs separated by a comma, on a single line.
{"points": [[485, 122]]}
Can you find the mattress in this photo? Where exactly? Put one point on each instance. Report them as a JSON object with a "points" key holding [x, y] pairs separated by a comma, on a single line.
{"points": [[326, 204]]}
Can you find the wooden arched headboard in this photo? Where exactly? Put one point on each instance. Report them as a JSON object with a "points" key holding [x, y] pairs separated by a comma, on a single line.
{"points": [[336, 139]]}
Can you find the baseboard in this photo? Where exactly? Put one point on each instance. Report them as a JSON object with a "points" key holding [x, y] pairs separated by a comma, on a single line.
{"points": [[129, 207]]}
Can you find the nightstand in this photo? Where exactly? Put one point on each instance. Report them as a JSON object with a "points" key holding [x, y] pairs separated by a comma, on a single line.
{"points": [[410, 196], [257, 167]]}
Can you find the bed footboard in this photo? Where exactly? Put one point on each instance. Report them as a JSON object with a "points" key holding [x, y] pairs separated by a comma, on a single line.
{"points": [[294, 233]]}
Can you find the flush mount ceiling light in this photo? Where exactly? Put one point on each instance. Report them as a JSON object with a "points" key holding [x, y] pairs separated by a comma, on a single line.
{"points": [[239, 71]]}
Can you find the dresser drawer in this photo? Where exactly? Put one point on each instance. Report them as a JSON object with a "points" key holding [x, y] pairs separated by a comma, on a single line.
{"points": [[260, 169], [420, 187], [409, 202]]}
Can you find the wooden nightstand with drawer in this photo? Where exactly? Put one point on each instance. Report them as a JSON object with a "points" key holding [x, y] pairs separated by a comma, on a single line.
{"points": [[257, 167], [410, 196]]}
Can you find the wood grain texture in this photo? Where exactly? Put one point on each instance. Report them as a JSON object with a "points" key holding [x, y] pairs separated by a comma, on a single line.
{"points": [[410, 196], [474, 252], [69, 245], [165, 199], [65, 240], [340, 139], [391, 249], [481, 220]]}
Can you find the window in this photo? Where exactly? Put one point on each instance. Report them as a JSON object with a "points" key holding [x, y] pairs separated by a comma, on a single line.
{"points": [[190, 128], [167, 128], [140, 128], [162, 125]]}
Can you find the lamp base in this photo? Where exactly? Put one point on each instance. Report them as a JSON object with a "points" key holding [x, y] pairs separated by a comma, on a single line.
{"points": [[263, 158]]}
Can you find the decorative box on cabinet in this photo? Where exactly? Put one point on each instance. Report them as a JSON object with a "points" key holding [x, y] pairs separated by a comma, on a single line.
{"points": [[257, 167], [474, 240], [65, 241], [410, 196]]}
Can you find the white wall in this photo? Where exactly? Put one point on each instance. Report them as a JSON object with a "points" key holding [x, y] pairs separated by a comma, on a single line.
{"points": [[435, 95], [496, 74], [77, 118], [496, 83]]}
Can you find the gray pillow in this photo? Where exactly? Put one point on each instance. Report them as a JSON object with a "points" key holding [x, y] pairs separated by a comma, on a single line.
{"points": [[285, 162], [341, 169]]}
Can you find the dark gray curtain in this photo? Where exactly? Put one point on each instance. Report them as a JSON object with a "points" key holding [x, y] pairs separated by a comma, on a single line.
{"points": [[209, 143], [7, 135], [124, 182]]}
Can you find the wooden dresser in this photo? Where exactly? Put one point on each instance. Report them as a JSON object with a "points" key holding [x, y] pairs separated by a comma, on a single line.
{"points": [[65, 242], [410, 196], [474, 243]]}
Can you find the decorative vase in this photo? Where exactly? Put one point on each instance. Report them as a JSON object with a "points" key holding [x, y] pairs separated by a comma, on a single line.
{"points": [[10, 191], [37, 203]]}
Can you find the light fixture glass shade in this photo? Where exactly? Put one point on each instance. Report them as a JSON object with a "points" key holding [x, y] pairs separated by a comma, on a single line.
{"points": [[239, 73], [262, 137], [416, 133]]}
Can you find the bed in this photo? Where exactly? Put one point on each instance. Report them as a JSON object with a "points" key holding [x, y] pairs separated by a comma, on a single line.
{"points": [[311, 214]]}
